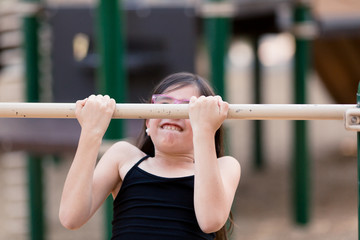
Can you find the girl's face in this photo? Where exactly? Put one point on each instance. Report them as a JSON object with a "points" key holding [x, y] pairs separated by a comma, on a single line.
{"points": [[173, 135]]}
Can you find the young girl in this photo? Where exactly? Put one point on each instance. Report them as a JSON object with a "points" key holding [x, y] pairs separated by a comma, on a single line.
{"points": [[175, 185]]}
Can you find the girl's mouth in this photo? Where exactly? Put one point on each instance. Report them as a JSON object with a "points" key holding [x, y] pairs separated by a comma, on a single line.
{"points": [[171, 127]]}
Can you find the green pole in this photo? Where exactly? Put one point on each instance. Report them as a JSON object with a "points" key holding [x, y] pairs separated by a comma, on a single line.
{"points": [[31, 49], [217, 31], [301, 156], [36, 201], [34, 169], [112, 77], [358, 162], [258, 146]]}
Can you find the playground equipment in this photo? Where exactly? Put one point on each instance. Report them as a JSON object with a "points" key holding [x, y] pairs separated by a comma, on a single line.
{"points": [[180, 111]]}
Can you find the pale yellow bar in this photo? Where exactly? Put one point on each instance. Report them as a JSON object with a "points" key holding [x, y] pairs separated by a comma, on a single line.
{"points": [[180, 111]]}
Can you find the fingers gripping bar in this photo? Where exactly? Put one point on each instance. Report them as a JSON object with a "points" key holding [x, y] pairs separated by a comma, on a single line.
{"points": [[180, 111]]}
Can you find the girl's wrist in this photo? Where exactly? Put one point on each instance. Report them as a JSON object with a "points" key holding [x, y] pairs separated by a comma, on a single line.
{"points": [[93, 135], [203, 132]]}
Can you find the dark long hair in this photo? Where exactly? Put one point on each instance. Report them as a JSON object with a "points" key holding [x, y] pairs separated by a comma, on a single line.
{"points": [[177, 81]]}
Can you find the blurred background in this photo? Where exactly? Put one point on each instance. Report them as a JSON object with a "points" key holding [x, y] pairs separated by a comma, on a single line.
{"points": [[296, 184]]}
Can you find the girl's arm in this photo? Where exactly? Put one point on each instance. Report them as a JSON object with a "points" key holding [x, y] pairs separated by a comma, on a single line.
{"points": [[216, 180], [85, 189]]}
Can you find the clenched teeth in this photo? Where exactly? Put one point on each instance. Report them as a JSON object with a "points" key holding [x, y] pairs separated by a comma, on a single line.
{"points": [[171, 127]]}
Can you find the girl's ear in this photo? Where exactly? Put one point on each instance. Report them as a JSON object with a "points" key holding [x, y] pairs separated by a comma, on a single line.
{"points": [[147, 127]]}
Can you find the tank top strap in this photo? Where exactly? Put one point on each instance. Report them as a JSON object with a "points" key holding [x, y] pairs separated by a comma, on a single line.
{"points": [[141, 160]]}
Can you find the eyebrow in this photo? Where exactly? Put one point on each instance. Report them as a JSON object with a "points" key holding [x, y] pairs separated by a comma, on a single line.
{"points": [[165, 95]]}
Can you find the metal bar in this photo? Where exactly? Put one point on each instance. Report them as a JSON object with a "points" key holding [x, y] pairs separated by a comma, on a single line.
{"points": [[112, 74], [217, 31], [35, 164], [31, 52], [301, 156], [180, 111], [36, 197], [258, 126]]}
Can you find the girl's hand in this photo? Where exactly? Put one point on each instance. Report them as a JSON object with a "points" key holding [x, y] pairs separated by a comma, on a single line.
{"points": [[94, 113], [207, 113]]}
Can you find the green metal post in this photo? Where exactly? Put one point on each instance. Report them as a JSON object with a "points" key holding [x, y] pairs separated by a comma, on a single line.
{"points": [[112, 72], [258, 146], [217, 31], [36, 201], [301, 156], [31, 49], [35, 171], [358, 162]]}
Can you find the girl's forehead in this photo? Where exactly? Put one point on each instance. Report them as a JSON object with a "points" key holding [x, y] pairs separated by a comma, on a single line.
{"points": [[187, 89]]}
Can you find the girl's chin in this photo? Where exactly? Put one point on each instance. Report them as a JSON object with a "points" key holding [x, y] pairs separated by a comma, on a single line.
{"points": [[173, 143], [170, 141], [171, 135]]}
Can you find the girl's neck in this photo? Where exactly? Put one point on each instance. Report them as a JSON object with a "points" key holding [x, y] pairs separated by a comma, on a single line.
{"points": [[166, 159]]}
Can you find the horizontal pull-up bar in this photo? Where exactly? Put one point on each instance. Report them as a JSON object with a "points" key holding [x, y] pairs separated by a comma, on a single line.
{"points": [[147, 111]]}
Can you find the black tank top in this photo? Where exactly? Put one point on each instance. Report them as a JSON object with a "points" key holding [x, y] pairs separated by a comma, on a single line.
{"points": [[149, 207]]}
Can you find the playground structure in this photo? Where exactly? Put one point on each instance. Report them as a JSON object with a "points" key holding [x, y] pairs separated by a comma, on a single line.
{"points": [[216, 60], [345, 112]]}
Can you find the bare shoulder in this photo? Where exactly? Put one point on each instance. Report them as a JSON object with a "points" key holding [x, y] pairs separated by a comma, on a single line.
{"points": [[124, 151], [124, 146], [230, 166], [114, 164], [228, 161], [125, 154]]}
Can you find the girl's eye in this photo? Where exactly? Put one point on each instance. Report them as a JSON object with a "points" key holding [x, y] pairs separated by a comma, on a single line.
{"points": [[164, 100]]}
